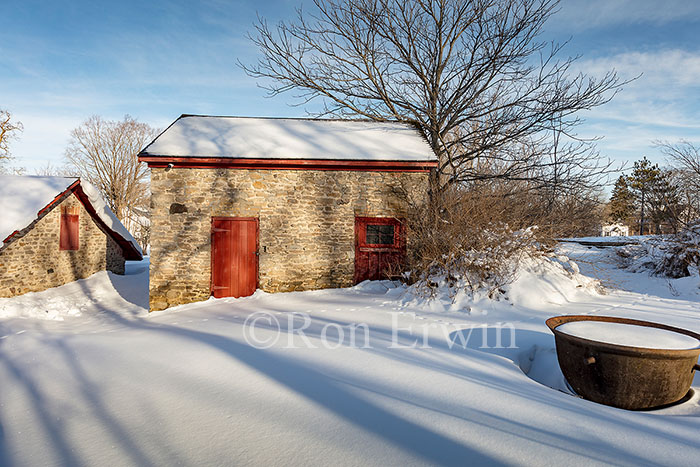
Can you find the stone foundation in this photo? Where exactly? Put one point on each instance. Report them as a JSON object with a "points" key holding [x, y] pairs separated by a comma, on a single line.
{"points": [[33, 262], [306, 222]]}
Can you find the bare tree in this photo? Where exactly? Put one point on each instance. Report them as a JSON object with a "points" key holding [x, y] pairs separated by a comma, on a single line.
{"points": [[104, 152], [51, 170], [687, 192], [491, 98], [8, 131], [682, 254], [684, 157]]}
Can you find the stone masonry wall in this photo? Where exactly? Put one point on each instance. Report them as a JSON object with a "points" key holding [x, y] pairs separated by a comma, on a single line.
{"points": [[34, 262], [306, 224]]}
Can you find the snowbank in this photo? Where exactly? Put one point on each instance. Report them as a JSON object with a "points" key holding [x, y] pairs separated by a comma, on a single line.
{"points": [[100, 294], [550, 280], [539, 281]]}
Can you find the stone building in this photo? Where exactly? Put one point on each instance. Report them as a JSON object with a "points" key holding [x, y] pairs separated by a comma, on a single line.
{"points": [[57, 230], [278, 204]]}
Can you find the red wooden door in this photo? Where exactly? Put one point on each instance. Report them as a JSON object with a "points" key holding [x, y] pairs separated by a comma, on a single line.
{"points": [[380, 247], [69, 234], [234, 256]]}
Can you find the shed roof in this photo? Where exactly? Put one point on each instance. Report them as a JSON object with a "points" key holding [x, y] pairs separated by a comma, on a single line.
{"points": [[24, 198], [290, 138]]}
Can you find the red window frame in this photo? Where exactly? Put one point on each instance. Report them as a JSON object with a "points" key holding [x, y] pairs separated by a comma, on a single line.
{"points": [[398, 231], [70, 229]]}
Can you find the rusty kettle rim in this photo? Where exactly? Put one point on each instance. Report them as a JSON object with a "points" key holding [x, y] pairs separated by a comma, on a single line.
{"points": [[556, 321]]}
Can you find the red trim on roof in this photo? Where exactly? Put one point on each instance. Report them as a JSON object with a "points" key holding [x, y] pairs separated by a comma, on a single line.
{"points": [[130, 252], [7, 239], [57, 199], [287, 164]]}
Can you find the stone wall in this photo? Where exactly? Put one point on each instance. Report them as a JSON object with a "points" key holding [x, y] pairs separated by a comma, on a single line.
{"points": [[34, 262], [306, 222]]}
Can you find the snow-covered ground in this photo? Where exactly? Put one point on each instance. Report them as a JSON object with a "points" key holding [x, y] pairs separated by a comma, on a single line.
{"points": [[616, 239], [375, 376]]}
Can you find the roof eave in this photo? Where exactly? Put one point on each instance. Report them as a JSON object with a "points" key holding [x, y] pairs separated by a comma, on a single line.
{"points": [[131, 253], [159, 161]]}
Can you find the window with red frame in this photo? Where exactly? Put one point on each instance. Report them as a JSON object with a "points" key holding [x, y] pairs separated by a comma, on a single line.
{"points": [[379, 234], [70, 228]]}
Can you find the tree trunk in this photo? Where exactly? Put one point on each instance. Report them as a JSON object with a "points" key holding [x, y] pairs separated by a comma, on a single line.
{"points": [[641, 217]]}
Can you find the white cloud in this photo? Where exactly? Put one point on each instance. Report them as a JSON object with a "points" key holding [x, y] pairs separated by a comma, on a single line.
{"points": [[662, 104], [628, 139], [665, 95], [578, 15], [665, 68]]}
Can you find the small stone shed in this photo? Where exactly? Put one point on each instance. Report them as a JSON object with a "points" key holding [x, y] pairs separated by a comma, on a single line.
{"points": [[278, 204], [56, 230]]}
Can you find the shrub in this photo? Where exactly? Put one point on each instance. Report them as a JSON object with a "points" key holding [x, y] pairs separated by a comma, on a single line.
{"points": [[671, 256], [682, 253], [464, 240]]}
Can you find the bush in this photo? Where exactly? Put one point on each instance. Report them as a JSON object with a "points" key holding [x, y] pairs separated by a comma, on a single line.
{"points": [[672, 256], [682, 253], [463, 240]]}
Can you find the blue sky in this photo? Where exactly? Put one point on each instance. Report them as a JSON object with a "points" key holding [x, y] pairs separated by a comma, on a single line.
{"points": [[63, 61]]}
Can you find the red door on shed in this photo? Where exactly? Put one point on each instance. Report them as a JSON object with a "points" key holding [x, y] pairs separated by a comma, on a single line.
{"points": [[380, 247], [234, 256], [69, 234]]}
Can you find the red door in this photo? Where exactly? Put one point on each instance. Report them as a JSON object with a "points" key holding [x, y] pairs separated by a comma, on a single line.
{"points": [[234, 256], [380, 247]]}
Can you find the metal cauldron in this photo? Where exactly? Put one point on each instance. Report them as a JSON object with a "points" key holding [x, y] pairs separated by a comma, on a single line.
{"points": [[632, 378]]}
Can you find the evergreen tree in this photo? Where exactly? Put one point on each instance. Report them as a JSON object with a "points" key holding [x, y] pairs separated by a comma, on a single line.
{"points": [[641, 182], [621, 207], [654, 195]]}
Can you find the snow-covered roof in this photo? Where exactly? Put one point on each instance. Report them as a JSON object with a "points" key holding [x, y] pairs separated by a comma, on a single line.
{"points": [[290, 138], [22, 197], [107, 216]]}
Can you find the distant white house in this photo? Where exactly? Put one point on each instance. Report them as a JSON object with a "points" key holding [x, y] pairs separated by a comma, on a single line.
{"points": [[615, 230]]}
